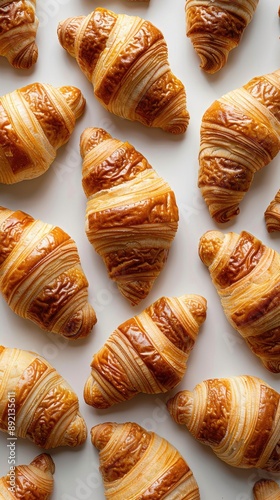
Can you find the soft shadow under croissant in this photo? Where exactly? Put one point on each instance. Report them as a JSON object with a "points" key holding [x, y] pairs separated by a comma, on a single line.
{"points": [[126, 60], [29, 482]]}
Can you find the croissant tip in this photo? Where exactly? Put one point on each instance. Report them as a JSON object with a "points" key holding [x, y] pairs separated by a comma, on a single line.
{"points": [[266, 488], [180, 406], [27, 57], [75, 99], [93, 397], [209, 244], [101, 434], [209, 63], [66, 32], [44, 462]]}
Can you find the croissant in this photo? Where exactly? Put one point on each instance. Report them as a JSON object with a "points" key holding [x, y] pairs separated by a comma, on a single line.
{"points": [[239, 136], [18, 29], [29, 482], [266, 489], [246, 274], [131, 214], [216, 27], [41, 277], [147, 353], [126, 60], [37, 398], [136, 463], [272, 214], [238, 417], [34, 122]]}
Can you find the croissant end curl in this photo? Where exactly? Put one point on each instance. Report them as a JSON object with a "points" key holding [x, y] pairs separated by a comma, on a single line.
{"points": [[126, 60]]}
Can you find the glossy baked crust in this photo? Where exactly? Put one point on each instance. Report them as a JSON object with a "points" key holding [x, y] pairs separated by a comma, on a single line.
{"points": [[126, 60], [18, 29], [30, 482], [34, 122], [238, 417], [246, 274], [41, 277], [266, 489], [148, 353], [216, 27], [272, 214], [137, 464], [131, 215], [47, 408], [240, 134]]}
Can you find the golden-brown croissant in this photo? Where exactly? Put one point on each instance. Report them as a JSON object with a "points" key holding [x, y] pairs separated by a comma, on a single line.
{"points": [[34, 122], [138, 464], [44, 407], [216, 27], [131, 216], [272, 214], [266, 489], [41, 277], [18, 29], [238, 417], [29, 482], [126, 60], [246, 274], [147, 353], [240, 134]]}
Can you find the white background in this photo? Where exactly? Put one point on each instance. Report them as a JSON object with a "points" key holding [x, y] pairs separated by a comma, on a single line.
{"points": [[57, 197]]}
